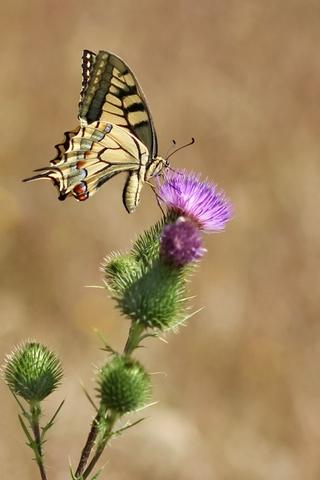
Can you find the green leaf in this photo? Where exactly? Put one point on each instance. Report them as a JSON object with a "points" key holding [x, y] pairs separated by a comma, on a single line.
{"points": [[51, 421], [106, 346], [89, 398], [26, 431], [73, 477], [97, 474], [118, 432]]}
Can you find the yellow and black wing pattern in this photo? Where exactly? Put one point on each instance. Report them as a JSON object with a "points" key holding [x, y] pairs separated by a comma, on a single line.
{"points": [[62, 147], [116, 134], [112, 94], [97, 153], [88, 59]]}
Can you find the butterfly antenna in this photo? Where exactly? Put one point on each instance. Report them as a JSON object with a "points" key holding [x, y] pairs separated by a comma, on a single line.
{"points": [[171, 146], [180, 148]]}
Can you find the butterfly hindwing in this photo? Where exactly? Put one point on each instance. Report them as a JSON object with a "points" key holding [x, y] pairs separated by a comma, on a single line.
{"points": [[62, 147], [96, 153]]}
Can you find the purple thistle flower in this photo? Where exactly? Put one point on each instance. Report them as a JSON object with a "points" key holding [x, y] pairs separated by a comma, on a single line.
{"points": [[184, 193], [181, 243]]}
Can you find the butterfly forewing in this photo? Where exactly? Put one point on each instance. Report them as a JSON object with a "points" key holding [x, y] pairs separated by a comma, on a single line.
{"points": [[88, 60], [113, 95]]}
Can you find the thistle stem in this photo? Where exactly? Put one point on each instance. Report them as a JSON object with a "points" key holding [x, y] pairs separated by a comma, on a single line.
{"points": [[88, 445], [37, 447], [101, 446], [134, 337], [82, 472]]}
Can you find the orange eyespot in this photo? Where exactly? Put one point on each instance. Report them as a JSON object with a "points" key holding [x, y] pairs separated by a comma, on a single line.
{"points": [[81, 164], [80, 192]]}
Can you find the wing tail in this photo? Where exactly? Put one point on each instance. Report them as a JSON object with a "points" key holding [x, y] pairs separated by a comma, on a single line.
{"points": [[95, 154], [63, 146]]}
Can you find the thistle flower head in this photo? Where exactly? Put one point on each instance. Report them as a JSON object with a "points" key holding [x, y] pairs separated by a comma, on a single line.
{"points": [[181, 243], [185, 194], [123, 385], [32, 371]]}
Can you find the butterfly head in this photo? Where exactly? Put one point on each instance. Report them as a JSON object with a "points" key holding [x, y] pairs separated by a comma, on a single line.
{"points": [[156, 167]]}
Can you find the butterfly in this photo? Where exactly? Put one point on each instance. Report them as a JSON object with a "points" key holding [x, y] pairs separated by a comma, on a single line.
{"points": [[115, 134]]}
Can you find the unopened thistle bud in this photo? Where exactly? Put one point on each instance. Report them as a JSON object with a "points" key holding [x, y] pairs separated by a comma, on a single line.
{"points": [[155, 299], [120, 270], [123, 385], [181, 243], [32, 371]]}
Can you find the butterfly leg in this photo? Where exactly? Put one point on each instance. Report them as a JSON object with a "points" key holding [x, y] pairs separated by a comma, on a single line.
{"points": [[157, 196]]}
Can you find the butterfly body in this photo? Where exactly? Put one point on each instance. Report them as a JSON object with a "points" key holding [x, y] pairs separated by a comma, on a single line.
{"points": [[116, 134]]}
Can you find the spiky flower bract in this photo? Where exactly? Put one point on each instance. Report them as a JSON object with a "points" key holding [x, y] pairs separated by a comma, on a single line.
{"points": [[123, 385], [148, 291], [154, 299], [185, 194], [181, 243], [32, 371], [120, 271]]}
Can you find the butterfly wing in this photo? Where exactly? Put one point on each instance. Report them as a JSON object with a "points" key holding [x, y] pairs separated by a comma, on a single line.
{"points": [[87, 63], [116, 133], [111, 93], [96, 153], [62, 147], [88, 59]]}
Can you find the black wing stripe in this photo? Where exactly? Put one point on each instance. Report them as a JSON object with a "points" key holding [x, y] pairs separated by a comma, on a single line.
{"points": [[136, 107], [112, 82]]}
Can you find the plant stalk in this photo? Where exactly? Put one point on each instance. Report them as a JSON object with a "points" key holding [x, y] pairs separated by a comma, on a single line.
{"points": [[88, 445], [34, 420], [82, 472], [134, 337], [101, 446]]}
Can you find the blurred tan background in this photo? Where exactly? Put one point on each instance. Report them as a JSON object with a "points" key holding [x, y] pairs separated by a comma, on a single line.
{"points": [[241, 398]]}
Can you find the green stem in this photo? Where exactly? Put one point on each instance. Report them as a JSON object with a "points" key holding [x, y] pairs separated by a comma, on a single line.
{"points": [[134, 337], [35, 412], [82, 472], [101, 445]]}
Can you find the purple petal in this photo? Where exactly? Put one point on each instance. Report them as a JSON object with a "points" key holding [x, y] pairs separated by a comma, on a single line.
{"points": [[186, 194]]}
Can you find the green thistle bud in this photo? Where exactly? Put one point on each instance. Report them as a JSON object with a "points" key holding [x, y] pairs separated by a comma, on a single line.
{"points": [[32, 371], [120, 270], [155, 299], [146, 247], [123, 385], [147, 290]]}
